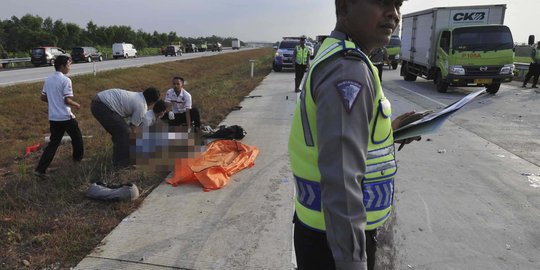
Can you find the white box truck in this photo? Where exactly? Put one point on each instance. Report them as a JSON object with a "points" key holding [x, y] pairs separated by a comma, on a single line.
{"points": [[235, 44], [123, 50], [458, 46]]}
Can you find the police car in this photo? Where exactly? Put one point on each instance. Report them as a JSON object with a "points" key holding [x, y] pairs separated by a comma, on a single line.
{"points": [[284, 54]]}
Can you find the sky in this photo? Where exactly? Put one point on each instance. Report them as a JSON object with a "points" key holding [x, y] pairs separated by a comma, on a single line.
{"points": [[248, 20]]}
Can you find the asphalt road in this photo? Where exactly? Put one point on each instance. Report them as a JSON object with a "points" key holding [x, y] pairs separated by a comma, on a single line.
{"points": [[34, 74], [467, 197]]}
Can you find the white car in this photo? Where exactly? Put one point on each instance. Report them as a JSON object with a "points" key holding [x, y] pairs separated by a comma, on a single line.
{"points": [[123, 50], [311, 49]]}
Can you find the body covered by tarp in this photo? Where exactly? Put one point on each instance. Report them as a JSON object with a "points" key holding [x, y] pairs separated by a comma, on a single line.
{"points": [[214, 167]]}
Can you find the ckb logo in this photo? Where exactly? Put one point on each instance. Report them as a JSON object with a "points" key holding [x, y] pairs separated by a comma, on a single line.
{"points": [[469, 16]]}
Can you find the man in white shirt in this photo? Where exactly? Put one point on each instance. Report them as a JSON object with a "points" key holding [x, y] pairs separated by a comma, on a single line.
{"points": [[58, 93], [180, 105], [120, 112]]}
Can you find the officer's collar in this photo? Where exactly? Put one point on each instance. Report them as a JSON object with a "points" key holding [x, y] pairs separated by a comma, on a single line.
{"points": [[342, 36]]}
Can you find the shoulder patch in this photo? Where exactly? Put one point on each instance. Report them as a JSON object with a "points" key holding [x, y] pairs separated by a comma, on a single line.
{"points": [[349, 90], [353, 55]]}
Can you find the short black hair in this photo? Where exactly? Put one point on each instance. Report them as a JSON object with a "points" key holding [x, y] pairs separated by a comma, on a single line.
{"points": [[159, 107], [397, 3], [151, 95], [178, 78], [60, 61]]}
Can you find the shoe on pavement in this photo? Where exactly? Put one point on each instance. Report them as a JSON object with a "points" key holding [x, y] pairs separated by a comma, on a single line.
{"points": [[524, 85]]}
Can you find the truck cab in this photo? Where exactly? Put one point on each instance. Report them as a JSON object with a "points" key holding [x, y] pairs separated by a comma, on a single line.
{"points": [[475, 55], [458, 46]]}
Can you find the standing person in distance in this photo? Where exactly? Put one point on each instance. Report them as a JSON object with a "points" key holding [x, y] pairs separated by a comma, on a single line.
{"points": [[120, 112], [301, 60], [534, 68], [341, 143], [180, 106], [378, 56], [58, 93]]}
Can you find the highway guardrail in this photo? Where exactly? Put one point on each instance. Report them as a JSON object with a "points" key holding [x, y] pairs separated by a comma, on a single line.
{"points": [[7, 61]]}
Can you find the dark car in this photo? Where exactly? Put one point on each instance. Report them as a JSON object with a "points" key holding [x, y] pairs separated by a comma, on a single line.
{"points": [[45, 55], [85, 54]]}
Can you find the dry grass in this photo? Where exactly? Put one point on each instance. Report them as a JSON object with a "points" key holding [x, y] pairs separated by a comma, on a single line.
{"points": [[50, 223]]}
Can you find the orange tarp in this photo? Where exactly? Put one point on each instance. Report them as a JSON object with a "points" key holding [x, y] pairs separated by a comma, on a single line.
{"points": [[214, 167]]}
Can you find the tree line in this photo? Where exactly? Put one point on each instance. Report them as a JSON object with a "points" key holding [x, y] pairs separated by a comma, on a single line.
{"points": [[20, 35]]}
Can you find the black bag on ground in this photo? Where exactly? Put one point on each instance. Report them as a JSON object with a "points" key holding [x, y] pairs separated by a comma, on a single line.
{"points": [[234, 132]]}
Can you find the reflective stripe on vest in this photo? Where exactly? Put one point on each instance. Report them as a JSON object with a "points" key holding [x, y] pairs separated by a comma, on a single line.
{"points": [[378, 181], [301, 54]]}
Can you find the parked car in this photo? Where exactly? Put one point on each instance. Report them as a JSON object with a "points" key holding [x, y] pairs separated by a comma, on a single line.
{"points": [[85, 54], [284, 54], [45, 55], [123, 50]]}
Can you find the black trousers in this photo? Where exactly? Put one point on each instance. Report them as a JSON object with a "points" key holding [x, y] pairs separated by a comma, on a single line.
{"points": [[180, 118], [299, 71], [313, 253], [534, 72], [115, 125], [380, 69], [57, 129]]}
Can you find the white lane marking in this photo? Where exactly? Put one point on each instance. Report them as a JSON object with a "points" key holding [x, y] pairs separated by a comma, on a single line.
{"points": [[426, 97], [428, 221]]}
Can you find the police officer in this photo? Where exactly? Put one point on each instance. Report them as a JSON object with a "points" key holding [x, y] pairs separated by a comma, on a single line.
{"points": [[301, 59], [534, 68], [378, 56], [341, 145]]}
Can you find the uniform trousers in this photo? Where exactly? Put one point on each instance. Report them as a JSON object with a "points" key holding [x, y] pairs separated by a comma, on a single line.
{"points": [[57, 129], [299, 71], [380, 69], [312, 251], [115, 125], [534, 72], [180, 118]]}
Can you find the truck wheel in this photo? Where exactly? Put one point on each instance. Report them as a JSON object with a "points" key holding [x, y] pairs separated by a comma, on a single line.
{"points": [[442, 85], [406, 75], [52, 62], [493, 88], [394, 66], [89, 59], [100, 58]]}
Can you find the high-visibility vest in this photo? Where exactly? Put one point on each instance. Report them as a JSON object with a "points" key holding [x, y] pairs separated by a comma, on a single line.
{"points": [[381, 167], [301, 55]]}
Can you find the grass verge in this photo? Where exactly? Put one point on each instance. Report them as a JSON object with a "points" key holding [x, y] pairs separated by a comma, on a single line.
{"points": [[49, 224]]}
